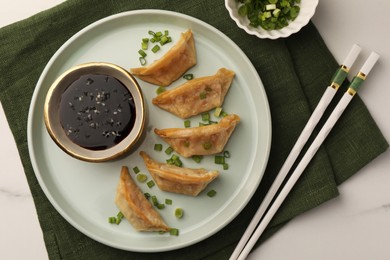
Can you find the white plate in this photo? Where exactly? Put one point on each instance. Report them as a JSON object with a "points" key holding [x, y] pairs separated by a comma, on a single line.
{"points": [[83, 193]]}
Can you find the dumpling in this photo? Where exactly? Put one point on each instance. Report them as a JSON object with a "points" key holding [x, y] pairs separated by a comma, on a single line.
{"points": [[135, 207], [172, 65], [178, 179], [202, 140], [197, 95]]}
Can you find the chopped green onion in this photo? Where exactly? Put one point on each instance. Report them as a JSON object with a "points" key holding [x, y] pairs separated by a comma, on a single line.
{"points": [[160, 90], [169, 150], [223, 114], [197, 158], [188, 76], [243, 10], [158, 147], [158, 34], [146, 40], [160, 206], [175, 160], [147, 195], [203, 124], [142, 177], [174, 232], [142, 53], [219, 159], [207, 146], [112, 220], [151, 33], [168, 201], [142, 61], [270, 7], [205, 117], [144, 45], [187, 123], [166, 32], [163, 40], [202, 95], [226, 166], [211, 193], [155, 49], [269, 14], [226, 154], [217, 111], [179, 213], [150, 183], [136, 169], [154, 200], [120, 215]]}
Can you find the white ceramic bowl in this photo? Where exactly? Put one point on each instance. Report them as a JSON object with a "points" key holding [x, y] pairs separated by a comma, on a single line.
{"points": [[307, 10]]}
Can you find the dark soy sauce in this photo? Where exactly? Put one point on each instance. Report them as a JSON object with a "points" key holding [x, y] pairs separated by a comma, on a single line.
{"points": [[97, 111]]}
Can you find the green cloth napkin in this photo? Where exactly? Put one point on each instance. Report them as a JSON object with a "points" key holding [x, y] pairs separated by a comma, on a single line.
{"points": [[295, 72]]}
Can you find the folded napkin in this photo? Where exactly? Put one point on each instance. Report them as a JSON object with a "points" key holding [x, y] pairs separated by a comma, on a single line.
{"points": [[295, 72]]}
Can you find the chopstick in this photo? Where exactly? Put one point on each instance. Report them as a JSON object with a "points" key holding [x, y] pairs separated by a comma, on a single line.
{"points": [[338, 78], [340, 75], [335, 115]]}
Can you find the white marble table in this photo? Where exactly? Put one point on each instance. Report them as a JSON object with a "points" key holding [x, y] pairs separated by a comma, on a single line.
{"points": [[356, 225]]}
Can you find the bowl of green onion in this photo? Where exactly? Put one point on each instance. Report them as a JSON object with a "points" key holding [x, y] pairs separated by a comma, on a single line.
{"points": [[271, 19]]}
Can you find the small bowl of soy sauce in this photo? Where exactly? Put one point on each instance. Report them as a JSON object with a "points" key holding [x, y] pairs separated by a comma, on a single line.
{"points": [[95, 112]]}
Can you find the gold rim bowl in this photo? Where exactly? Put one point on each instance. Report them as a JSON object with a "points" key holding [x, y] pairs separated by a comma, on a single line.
{"points": [[52, 118]]}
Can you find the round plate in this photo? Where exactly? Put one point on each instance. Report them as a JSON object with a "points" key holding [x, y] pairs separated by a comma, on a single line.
{"points": [[83, 193]]}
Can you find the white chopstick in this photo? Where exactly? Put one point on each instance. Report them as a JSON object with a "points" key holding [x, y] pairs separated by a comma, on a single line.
{"points": [[330, 91], [335, 115]]}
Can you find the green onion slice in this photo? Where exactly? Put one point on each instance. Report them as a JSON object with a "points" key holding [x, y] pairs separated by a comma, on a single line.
{"points": [[197, 158], [174, 232], [155, 49], [142, 61], [150, 183], [179, 213], [218, 159], [169, 150], [226, 166], [211, 193], [207, 146], [160, 90], [188, 76], [205, 117], [158, 147], [142, 177], [136, 169]]}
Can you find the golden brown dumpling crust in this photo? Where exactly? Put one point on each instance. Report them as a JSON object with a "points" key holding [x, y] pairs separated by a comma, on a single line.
{"points": [[202, 140], [196, 95], [172, 65], [135, 207], [178, 179]]}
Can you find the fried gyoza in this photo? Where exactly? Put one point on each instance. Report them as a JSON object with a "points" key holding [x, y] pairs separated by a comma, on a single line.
{"points": [[178, 179], [135, 207], [196, 95], [172, 65], [202, 140]]}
